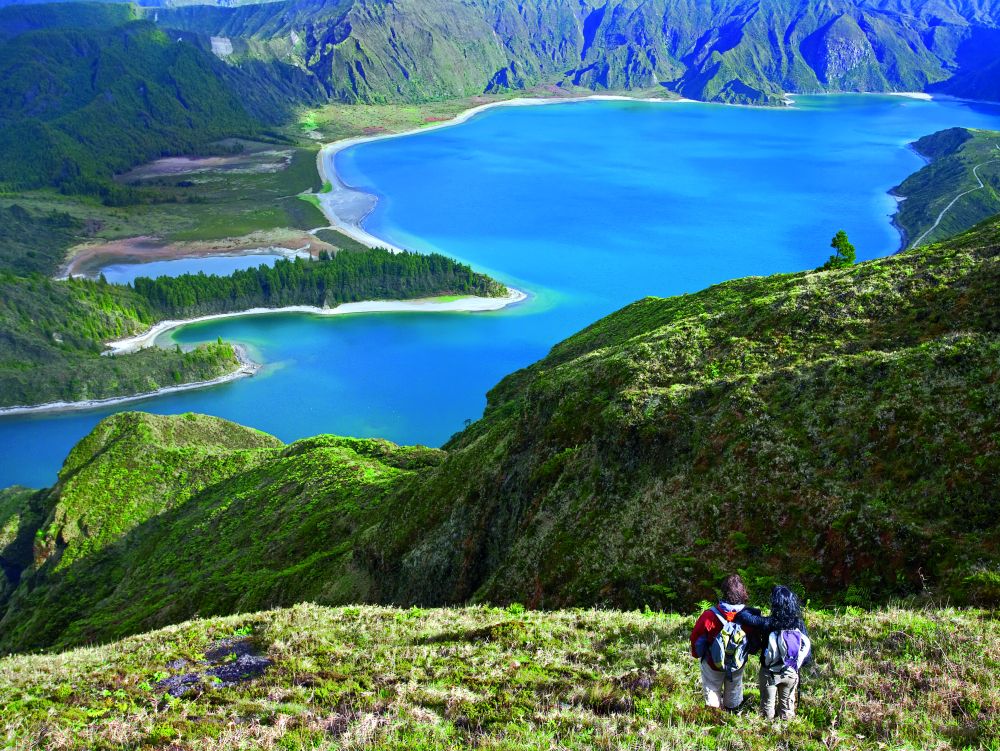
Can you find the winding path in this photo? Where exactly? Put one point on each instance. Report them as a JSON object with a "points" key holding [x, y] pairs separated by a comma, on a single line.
{"points": [[975, 173]]}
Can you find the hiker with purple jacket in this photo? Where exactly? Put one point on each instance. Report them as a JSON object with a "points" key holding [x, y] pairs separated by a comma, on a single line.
{"points": [[785, 647]]}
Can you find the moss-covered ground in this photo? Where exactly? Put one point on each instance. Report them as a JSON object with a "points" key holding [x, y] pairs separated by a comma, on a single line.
{"points": [[489, 678]]}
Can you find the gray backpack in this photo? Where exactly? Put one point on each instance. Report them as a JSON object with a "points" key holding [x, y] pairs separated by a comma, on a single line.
{"points": [[728, 652], [786, 649]]}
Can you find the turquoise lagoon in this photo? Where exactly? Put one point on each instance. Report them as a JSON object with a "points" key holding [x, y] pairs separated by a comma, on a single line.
{"points": [[587, 206]]}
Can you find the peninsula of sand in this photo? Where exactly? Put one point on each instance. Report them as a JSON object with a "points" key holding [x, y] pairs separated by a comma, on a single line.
{"points": [[248, 367]]}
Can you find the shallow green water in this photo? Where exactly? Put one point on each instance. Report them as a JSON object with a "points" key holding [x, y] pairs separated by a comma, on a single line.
{"points": [[587, 206]]}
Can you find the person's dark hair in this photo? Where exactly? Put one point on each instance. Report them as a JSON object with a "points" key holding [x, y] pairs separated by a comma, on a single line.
{"points": [[734, 591], [786, 613]]}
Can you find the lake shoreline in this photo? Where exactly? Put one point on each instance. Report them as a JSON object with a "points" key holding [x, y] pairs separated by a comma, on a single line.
{"points": [[346, 207], [467, 304], [247, 368]]}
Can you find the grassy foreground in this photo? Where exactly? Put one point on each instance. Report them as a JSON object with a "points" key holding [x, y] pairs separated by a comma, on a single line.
{"points": [[367, 677]]}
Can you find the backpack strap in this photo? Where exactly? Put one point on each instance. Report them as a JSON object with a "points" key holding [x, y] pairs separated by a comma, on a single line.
{"points": [[719, 615]]}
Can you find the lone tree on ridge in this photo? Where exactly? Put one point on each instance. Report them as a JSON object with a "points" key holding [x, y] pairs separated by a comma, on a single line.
{"points": [[844, 255]]}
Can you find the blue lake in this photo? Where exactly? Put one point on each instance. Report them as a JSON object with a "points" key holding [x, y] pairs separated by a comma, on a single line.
{"points": [[126, 273], [587, 206]]}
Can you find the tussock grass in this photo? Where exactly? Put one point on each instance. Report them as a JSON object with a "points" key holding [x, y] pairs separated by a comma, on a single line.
{"points": [[480, 677]]}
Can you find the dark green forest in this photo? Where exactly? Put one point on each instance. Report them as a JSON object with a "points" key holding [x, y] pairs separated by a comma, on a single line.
{"points": [[34, 242], [346, 277], [52, 332]]}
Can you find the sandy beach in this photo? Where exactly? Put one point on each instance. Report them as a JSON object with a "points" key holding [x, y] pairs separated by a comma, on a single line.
{"points": [[88, 259], [247, 368], [346, 207], [469, 304]]}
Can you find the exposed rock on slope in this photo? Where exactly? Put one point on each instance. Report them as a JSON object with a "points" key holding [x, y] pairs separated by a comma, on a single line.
{"points": [[732, 51]]}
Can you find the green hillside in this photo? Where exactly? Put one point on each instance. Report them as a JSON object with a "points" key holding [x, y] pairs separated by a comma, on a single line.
{"points": [[83, 105], [729, 51], [375, 678], [52, 334], [960, 160], [829, 428], [91, 90], [835, 430]]}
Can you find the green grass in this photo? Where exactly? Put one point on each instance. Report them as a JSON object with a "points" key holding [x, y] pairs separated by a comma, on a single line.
{"points": [[206, 206], [382, 678], [336, 121], [340, 241]]}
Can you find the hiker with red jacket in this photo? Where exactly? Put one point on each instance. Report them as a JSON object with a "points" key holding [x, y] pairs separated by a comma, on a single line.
{"points": [[723, 646], [784, 648]]}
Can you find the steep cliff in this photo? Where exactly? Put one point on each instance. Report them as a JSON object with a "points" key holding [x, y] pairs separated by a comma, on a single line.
{"points": [[732, 51]]}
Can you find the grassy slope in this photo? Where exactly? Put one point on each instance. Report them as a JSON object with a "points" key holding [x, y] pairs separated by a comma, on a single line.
{"points": [[364, 677], [247, 526], [851, 413], [952, 155]]}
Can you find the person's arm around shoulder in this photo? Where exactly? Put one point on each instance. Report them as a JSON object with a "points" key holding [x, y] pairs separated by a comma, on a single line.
{"points": [[751, 618]]}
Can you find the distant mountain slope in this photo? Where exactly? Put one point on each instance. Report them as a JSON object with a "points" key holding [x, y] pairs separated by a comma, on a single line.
{"points": [[731, 50], [944, 197], [836, 430], [82, 105], [88, 91]]}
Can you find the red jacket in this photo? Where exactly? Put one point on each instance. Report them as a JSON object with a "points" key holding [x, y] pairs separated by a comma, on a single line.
{"points": [[708, 626]]}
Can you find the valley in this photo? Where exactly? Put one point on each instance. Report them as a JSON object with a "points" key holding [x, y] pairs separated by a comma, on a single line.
{"points": [[623, 236], [349, 399]]}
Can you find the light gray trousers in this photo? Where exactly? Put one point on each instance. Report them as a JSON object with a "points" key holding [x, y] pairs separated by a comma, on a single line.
{"points": [[777, 692]]}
